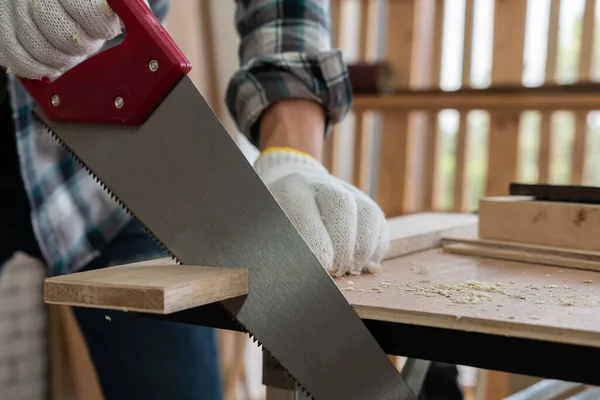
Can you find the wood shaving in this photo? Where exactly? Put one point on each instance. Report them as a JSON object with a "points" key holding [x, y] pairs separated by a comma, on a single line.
{"points": [[352, 287], [107, 317], [78, 40], [475, 292], [381, 287], [470, 292], [374, 269]]}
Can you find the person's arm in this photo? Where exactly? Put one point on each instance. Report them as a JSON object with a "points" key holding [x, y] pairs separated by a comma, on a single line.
{"points": [[292, 87]]}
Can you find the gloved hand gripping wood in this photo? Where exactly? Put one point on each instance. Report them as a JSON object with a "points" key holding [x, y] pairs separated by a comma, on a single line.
{"points": [[343, 226], [44, 38]]}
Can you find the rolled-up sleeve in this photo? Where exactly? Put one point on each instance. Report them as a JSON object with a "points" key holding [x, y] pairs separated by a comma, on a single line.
{"points": [[285, 52]]}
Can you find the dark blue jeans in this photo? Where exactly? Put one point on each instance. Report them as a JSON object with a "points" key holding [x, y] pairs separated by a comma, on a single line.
{"points": [[135, 357]]}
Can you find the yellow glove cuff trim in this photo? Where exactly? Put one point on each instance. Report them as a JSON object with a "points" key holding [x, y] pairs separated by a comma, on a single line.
{"points": [[286, 149]]}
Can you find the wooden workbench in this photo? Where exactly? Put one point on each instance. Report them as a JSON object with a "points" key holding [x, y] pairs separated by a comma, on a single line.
{"points": [[496, 315], [436, 289], [501, 315]]}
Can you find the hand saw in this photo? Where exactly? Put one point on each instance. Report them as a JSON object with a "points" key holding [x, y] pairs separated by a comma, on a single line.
{"points": [[134, 119]]}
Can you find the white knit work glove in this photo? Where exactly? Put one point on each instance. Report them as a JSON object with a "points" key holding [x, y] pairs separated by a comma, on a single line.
{"points": [[343, 226], [44, 38]]}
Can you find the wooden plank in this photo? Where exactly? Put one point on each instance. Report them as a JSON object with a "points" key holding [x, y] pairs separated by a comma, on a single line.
{"points": [[149, 286], [462, 143], [478, 100], [473, 238], [392, 193], [423, 231], [431, 183], [522, 219], [530, 255], [488, 296], [578, 158], [545, 148], [507, 67], [210, 58], [160, 286], [331, 147], [363, 125], [85, 381]]}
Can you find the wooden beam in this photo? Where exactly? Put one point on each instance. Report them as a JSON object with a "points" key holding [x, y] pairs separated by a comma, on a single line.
{"points": [[507, 68], [481, 99], [525, 220]]}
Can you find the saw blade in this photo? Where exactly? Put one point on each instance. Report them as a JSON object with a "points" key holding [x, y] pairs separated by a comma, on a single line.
{"points": [[185, 179]]}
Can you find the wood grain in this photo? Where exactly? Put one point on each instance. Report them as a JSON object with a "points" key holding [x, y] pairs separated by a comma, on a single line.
{"points": [[423, 231], [153, 286], [522, 219], [483, 295], [471, 244]]}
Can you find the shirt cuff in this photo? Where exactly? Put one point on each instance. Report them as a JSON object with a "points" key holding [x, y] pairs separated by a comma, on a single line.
{"points": [[322, 77]]}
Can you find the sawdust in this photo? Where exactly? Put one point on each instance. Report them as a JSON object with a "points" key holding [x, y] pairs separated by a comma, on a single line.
{"points": [[380, 288], [108, 318], [352, 287], [469, 292], [475, 292], [78, 40]]}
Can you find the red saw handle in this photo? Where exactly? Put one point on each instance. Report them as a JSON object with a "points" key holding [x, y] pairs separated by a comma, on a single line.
{"points": [[122, 85]]}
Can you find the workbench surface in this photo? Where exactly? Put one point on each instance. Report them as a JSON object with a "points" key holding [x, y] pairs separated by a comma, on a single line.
{"points": [[441, 290]]}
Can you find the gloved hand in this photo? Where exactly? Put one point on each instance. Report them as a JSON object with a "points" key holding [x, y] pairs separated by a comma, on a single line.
{"points": [[44, 38], [343, 226]]}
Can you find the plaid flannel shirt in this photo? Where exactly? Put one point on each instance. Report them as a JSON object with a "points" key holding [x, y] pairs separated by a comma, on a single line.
{"points": [[285, 52]]}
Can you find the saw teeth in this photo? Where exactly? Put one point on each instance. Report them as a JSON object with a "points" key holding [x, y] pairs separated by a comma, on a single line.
{"points": [[266, 352], [109, 192], [159, 243]]}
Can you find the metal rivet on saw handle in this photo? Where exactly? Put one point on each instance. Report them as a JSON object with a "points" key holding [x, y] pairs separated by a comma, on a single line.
{"points": [[55, 100], [153, 65], [119, 102]]}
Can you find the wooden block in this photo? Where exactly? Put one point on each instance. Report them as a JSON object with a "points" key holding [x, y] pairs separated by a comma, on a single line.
{"points": [[523, 219], [156, 286]]}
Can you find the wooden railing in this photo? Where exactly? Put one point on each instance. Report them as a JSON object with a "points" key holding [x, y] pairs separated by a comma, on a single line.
{"points": [[427, 149]]}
